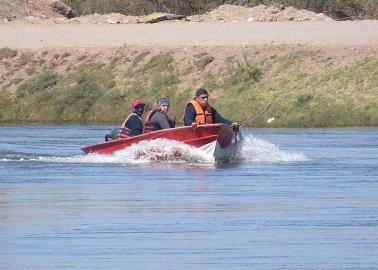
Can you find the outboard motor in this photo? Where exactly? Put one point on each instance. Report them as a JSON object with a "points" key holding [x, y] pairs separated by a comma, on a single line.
{"points": [[117, 133], [113, 135]]}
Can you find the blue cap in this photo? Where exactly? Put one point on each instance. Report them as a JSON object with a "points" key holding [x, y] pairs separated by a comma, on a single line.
{"points": [[163, 101]]}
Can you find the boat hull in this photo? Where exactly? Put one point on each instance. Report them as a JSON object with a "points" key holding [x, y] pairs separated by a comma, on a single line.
{"points": [[219, 134], [220, 153]]}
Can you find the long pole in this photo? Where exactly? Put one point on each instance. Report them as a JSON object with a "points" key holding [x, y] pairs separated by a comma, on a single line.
{"points": [[249, 120]]}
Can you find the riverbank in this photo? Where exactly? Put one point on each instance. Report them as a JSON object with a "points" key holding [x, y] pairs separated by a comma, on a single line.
{"points": [[315, 74], [307, 86]]}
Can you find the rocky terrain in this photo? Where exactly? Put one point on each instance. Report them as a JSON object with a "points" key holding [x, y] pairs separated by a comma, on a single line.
{"points": [[46, 12], [261, 13], [32, 10]]}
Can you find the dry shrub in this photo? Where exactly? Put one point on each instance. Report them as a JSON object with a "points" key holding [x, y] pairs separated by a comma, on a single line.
{"points": [[7, 53], [338, 9], [202, 62]]}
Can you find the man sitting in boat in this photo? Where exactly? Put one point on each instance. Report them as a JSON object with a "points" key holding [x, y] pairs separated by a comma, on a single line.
{"points": [[133, 124], [158, 118], [199, 112]]}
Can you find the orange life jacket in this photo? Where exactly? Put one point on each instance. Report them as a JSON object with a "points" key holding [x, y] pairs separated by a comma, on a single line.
{"points": [[203, 117]]}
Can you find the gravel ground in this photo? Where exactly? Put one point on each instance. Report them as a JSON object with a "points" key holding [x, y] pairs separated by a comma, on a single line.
{"points": [[318, 33]]}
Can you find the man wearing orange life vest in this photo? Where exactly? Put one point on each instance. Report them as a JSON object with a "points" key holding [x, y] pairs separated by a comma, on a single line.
{"points": [[199, 112]]}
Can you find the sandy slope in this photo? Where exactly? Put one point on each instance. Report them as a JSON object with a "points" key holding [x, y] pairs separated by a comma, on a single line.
{"points": [[322, 33]]}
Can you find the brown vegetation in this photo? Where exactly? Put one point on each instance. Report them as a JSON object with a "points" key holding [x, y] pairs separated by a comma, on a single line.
{"points": [[337, 9], [314, 73], [307, 86]]}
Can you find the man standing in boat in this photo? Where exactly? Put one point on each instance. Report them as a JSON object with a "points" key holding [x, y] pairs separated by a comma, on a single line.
{"points": [[199, 112], [158, 118]]}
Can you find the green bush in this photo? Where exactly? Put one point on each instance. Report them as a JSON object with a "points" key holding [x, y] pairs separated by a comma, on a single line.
{"points": [[304, 99], [246, 72], [140, 57], [42, 82], [6, 105]]}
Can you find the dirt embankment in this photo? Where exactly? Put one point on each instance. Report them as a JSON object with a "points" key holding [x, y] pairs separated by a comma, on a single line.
{"points": [[49, 23], [46, 12], [27, 10], [44, 24], [307, 61], [54, 11], [361, 34]]}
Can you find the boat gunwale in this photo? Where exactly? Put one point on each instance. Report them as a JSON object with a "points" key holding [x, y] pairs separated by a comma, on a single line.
{"points": [[153, 135]]}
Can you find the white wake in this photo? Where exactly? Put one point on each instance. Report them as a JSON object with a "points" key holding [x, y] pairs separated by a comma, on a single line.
{"points": [[255, 150], [250, 150]]}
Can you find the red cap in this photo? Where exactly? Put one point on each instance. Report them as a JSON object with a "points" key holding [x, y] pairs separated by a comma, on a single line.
{"points": [[136, 103]]}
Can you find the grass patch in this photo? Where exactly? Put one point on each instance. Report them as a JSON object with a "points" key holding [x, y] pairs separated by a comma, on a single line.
{"points": [[140, 57], [303, 99], [159, 62], [246, 72], [93, 91], [199, 55], [41, 83], [7, 107], [7, 53], [81, 57], [203, 61], [82, 97], [25, 59]]}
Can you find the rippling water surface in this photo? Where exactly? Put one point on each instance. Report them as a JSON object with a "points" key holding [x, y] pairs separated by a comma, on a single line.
{"points": [[292, 199]]}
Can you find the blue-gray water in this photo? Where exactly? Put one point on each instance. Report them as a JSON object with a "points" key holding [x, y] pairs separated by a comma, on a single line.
{"points": [[295, 199]]}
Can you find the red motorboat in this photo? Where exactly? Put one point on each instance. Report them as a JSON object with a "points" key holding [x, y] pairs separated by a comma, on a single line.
{"points": [[216, 139]]}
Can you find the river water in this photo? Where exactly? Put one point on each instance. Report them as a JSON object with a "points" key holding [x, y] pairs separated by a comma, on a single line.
{"points": [[293, 199]]}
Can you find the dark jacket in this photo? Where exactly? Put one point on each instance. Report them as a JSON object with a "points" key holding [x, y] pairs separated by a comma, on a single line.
{"points": [[190, 116], [134, 124], [157, 120]]}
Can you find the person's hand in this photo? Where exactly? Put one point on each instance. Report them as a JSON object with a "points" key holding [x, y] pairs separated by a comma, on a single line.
{"points": [[194, 125], [235, 126]]}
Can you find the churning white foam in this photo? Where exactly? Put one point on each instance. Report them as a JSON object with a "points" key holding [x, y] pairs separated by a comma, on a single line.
{"points": [[255, 150], [250, 150], [159, 150]]}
